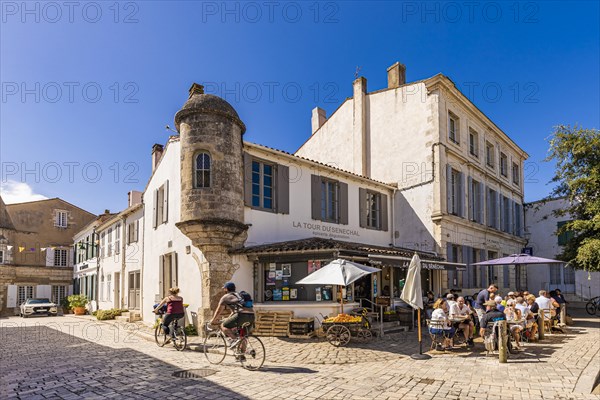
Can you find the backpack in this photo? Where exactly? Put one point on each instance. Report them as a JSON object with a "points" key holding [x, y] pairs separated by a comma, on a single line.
{"points": [[245, 300]]}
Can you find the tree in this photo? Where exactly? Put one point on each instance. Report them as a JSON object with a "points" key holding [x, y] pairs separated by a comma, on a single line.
{"points": [[577, 154]]}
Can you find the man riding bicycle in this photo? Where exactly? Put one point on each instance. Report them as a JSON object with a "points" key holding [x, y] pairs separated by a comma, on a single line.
{"points": [[239, 314]]}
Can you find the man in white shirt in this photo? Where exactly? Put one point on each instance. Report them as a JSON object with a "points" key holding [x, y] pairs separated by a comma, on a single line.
{"points": [[461, 310], [450, 300], [545, 302]]}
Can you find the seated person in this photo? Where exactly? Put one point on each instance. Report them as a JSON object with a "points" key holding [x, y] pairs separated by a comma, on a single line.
{"points": [[460, 310], [514, 314], [491, 315], [499, 305], [440, 309]]}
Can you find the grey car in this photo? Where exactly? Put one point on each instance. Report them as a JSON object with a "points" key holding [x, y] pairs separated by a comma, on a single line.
{"points": [[39, 306]]}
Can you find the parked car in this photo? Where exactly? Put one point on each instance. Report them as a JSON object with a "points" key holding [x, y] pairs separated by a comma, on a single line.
{"points": [[38, 306]]}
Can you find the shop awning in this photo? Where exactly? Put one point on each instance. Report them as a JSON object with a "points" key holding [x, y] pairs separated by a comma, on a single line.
{"points": [[404, 262]]}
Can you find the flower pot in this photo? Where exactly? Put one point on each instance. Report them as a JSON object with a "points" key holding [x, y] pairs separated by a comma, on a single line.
{"points": [[79, 310]]}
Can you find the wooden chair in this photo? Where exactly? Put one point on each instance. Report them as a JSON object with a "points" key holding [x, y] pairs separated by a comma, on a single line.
{"points": [[548, 321]]}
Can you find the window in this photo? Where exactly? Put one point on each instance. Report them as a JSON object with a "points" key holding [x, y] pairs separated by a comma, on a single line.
{"points": [[133, 232], [202, 171], [373, 210], [518, 219], [503, 165], [263, 185], [161, 205], [58, 294], [60, 257], [506, 215], [563, 238], [475, 201], [24, 293], [453, 128], [330, 193], [489, 155], [455, 191], [168, 273], [473, 143], [60, 218], [102, 245], [329, 200], [110, 243], [568, 276], [108, 287], [1, 256], [118, 239], [516, 175], [555, 278]]}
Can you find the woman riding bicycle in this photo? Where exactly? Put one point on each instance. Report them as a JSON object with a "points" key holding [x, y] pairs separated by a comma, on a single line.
{"points": [[175, 308]]}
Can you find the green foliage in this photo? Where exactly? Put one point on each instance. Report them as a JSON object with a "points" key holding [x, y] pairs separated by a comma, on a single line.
{"points": [[103, 315], [77, 300], [64, 303], [191, 330], [576, 152]]}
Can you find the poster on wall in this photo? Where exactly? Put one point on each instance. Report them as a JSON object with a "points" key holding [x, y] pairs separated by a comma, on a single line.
{"points": [[293, 294], [270, 279], [285, 293], [318, 294], [286, 270], [277, 294], [272, 267], [313, 265], [278, 275]]}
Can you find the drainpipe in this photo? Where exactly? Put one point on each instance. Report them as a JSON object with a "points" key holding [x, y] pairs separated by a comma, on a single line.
{"points": [[94, 234], [123, 261], [392, 207]]}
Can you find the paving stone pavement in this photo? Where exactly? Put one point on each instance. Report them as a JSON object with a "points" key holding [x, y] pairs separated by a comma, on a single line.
{"points": [[79, 358]]}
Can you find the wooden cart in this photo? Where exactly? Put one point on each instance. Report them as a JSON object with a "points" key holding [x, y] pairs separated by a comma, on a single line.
{"points": [[339, 333]]}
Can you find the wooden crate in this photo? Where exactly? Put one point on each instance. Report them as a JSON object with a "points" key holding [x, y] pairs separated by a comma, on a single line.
{"points": [[272, 323], [301, 328]]}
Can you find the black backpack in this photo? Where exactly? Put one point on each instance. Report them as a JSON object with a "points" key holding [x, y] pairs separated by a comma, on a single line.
{"points": [[245, 300]]}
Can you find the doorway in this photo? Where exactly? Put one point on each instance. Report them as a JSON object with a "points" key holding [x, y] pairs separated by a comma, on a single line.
{"points": [[134, 290], [117, 299]]}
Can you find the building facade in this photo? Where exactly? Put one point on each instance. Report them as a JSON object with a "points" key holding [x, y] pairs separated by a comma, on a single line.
{"points": [[542, 224], [459, 176], [36, 250]]}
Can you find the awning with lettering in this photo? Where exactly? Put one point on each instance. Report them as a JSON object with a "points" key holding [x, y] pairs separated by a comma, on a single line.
{"points": [[404, 262]]}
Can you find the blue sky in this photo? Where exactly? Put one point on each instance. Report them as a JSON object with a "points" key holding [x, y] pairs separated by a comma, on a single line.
{"points": [[87, 89]]}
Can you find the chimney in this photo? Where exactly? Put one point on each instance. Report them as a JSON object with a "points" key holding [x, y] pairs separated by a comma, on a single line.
{"points": [[196, 89], [396, 75], [360, 140], [157, 152], [106, 211], [319, 116], [134, 197]]}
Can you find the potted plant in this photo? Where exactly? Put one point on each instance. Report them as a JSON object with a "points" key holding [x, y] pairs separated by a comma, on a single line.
{"points": [[78, 302]]}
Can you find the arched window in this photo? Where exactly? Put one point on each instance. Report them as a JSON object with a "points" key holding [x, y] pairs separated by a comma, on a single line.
{"points": [[202, 170]]}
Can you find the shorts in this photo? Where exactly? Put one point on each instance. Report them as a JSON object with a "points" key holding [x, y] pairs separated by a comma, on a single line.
{"points": [[449, 333], [237, 320]]}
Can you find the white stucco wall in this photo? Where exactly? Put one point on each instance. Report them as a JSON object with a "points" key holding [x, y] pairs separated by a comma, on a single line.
{"points": [[267, 227]]}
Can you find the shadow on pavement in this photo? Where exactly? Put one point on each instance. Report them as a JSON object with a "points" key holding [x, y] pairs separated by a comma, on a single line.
{"points": [[288, 370], [39, 361]]}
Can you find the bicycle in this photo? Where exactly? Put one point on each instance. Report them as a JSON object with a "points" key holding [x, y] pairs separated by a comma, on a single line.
{"points": [[248, 350], [593, 306], [177, 334]]}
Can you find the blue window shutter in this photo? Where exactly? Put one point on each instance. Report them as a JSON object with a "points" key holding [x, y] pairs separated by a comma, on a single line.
{"points": [[466, 256], [471, 198], [449, 188], [481, 195], [483, 269], [384, 212], [283, 189], [461, 195]]}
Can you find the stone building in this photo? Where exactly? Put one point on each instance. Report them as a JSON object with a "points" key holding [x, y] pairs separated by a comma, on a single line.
{"points": [[541, 225], [36, 250], [459, 177]]}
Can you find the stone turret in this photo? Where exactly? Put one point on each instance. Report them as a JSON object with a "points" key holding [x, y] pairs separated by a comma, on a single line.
{"points": [[212, 187]]}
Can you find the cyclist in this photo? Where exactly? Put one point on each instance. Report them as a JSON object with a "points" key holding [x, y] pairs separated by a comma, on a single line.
{"points": [[239, 314], [175, 310]]}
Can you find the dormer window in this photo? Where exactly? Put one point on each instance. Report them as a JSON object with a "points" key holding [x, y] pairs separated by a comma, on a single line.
{"points": [[202, 170]]}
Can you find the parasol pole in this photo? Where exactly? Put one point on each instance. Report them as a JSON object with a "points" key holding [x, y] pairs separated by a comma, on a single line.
{"points": [[341, 298], [420, 356]]}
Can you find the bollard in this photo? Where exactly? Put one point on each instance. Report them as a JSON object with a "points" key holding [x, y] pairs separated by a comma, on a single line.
{"points": [[502, 342], [563, 314], [540, 322]]}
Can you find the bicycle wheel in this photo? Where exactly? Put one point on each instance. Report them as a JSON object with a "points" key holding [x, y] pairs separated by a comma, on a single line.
{"points": [[159, 336], [215, 347], [590, 307], [181, 339], [254, 354]]}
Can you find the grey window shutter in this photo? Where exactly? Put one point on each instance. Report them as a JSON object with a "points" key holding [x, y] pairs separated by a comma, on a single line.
{"points": [[498, 212], [483, 269], [174, 271], [362, 207], [461, 195], [343, 203], [161, 274], [518, 221], [248, 179], [449, 188], [450, 258], [155, 209], [137, 230], [315, 196], [471, 198], [384, 212], [165, 216], [488, 209], [283, 189], [511, 217]]}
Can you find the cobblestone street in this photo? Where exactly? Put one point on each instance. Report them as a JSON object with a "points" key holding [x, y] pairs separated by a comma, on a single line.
{"points": [[74, 358]]}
